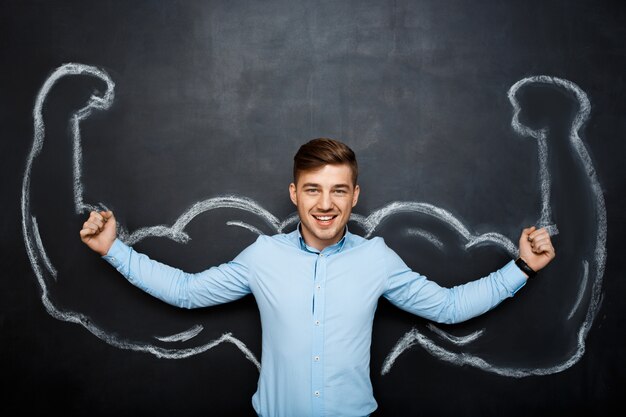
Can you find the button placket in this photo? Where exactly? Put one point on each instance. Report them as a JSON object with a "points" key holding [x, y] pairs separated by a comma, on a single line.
{"points": [[317, 348]]}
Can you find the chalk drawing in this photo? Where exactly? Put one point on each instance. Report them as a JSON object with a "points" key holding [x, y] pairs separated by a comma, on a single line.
{"points": [[34, 246], [41, 263], [415, 337]]}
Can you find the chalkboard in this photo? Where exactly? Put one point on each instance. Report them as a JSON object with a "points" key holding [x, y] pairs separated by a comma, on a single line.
{"points": [[470, 121]]}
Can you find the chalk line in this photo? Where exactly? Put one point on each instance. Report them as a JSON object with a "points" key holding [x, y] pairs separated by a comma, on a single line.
{"points": [[457, 340], [182, 336], [581, 290], [245, 226], [176, 231], [42, 250], [414, 337], [426, 235]]}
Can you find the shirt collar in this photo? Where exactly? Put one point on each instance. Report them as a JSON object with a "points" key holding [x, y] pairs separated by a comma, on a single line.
{"points": [[337, 247]]}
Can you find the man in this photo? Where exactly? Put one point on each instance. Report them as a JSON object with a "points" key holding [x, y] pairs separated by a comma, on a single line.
{"points": [[317, 289]]}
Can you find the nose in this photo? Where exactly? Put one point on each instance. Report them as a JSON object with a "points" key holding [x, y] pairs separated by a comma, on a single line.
{"points": [[325, 201]]}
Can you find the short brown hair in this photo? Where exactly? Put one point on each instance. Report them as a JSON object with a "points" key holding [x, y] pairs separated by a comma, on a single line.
{"points": [[318, 152]]}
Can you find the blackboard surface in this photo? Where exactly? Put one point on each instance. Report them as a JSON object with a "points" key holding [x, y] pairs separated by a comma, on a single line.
{"points": [[470, 120]]}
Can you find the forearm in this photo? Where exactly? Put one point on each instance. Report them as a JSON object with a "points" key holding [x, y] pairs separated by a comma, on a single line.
{"points": [[172, 285], [418, 295], [474, 298]]}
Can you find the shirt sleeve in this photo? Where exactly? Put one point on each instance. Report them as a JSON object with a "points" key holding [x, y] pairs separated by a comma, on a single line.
{"points": [[216, 285], [418, 295]]}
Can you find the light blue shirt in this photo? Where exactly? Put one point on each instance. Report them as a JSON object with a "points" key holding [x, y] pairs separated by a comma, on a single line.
{"points": [[317, 310]]}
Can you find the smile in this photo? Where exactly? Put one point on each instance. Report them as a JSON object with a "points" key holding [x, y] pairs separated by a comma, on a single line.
{"points": [[325, 219]]}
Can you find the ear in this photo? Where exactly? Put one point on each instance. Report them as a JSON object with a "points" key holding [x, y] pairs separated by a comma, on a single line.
{"points": [[292, 193], [355, 196]]}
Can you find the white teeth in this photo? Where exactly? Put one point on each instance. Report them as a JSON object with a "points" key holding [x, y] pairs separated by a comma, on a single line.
{"points": [[324, 218]]}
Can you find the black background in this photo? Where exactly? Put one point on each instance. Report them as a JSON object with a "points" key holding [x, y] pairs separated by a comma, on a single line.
{"points": [[214, 98]]}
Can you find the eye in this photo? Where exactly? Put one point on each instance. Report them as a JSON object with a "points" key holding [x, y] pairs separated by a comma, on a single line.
{"points": [[341, 192], [310, 190]]}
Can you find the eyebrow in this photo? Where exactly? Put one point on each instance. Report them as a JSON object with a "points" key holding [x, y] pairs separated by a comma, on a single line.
{"points": [[314, 185]]}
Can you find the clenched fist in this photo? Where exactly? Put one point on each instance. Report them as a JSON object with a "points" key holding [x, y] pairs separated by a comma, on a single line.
{"points": [[535, 248], [99, 231]]}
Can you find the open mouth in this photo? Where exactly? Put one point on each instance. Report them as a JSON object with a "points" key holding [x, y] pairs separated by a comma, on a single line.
{"points": [[325, 220]]}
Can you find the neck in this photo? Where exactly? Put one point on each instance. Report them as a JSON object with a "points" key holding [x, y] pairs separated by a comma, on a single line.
{"points": [[320, 245]]}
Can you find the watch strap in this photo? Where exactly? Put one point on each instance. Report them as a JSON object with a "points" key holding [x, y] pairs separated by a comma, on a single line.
{"points": [[524, 267]]}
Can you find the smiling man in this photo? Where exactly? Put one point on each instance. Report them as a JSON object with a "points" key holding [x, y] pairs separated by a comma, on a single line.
{"points": [[324, 195], [317, 289]]}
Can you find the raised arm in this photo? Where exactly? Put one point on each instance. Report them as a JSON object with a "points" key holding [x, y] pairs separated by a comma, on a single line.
{"points": [[417, 294], [216, 285]]}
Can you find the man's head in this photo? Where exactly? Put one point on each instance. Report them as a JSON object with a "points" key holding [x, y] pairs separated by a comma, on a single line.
{"points": [[324, 190]]}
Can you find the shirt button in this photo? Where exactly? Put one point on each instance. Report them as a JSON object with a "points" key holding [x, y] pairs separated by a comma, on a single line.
{"points": [[316, 393], [317, 322], [319, 287], [316, 358]]}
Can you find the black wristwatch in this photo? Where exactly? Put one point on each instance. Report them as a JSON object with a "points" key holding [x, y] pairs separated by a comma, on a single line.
{"points": [[524, 267]]}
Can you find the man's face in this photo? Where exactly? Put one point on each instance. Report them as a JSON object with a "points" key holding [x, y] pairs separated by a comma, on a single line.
{"points": [[324, 199]]}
